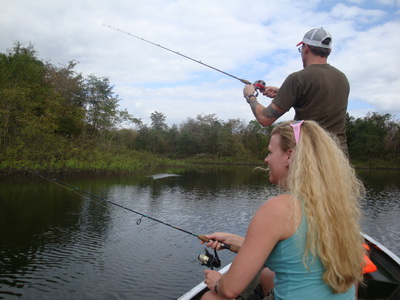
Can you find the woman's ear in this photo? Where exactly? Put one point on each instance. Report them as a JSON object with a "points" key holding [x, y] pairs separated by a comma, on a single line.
{"points": [[289, 153]]}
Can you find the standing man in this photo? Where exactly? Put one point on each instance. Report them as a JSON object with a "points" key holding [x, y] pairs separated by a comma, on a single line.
{"points": [[319, 92]]}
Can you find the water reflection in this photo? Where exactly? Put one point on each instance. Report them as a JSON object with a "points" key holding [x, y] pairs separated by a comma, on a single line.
{"points": [[381, 207], [46, 234], [55, 244]]}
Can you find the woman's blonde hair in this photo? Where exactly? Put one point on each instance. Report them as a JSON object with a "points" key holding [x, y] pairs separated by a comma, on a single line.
{"points": [[320, 174]]}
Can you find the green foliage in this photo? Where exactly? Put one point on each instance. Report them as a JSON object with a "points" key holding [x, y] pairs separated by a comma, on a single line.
{"points": [[46, 111], [54, 118], [374, 137]]}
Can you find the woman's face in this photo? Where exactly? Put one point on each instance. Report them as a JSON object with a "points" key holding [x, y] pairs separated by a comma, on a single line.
{"points": [[277, 160]]}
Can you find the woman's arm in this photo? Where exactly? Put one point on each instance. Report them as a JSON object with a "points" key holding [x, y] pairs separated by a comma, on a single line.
{"points": [[218, 238], [270, 224]]}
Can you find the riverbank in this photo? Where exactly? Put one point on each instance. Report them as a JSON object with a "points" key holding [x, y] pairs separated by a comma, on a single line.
{"points": [[140, 161]]}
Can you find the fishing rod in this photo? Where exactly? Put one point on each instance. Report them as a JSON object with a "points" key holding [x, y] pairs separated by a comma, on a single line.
{"points": [[90, 196], [259, 84]]}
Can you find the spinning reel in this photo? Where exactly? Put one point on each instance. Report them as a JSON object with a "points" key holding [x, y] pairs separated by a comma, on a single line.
{"points": [[209, 260]]}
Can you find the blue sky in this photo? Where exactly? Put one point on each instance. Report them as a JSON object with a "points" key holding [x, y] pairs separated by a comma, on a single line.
{"points": [[252, 40]]}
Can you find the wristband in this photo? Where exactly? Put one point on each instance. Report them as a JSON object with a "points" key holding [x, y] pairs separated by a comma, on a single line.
{"points": [[248, 98], [216, 287]]}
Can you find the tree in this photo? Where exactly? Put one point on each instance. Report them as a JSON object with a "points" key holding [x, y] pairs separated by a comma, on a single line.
{"points": [[256, 138], [70, 86], [101, 106], [200, 135], [158, 121], [392, 140], [230, 139], [366, 136], [29, 106]]}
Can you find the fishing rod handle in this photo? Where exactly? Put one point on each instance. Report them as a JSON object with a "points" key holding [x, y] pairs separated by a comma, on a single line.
{"points": [[244, 81], [232, 248]]}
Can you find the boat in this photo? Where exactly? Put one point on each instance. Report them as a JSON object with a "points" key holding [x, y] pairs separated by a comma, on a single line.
{"points": [[383, 284]]}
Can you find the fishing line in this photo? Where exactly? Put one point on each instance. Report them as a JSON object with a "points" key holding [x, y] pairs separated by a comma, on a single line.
{"points": [[176, 52], [90, 196], [258, 84]]}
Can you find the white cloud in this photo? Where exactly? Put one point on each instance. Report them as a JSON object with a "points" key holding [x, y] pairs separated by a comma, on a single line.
{"points": [[372, 67], [249, 40], [344, 12]]}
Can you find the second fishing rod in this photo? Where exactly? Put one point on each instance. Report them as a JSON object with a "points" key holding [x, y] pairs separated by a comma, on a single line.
{"points": [[91, 196], [258, 84]]}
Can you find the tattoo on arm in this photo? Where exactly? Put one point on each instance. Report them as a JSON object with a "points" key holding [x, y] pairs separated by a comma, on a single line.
{"points": [[271, 113], [253, 105]]}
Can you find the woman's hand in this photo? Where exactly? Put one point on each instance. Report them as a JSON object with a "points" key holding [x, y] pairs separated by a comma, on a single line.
{"points": [[211, 278], [219, 238]]}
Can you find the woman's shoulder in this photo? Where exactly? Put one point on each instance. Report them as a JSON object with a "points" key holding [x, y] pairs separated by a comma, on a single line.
{"points": [[281, 201], [283, 212], [276, 206]]}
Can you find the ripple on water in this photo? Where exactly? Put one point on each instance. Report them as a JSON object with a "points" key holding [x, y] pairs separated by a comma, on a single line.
{"points": [[86, 251]]}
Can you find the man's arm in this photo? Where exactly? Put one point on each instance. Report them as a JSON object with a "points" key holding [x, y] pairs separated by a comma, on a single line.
{"points": [[266, 116]]}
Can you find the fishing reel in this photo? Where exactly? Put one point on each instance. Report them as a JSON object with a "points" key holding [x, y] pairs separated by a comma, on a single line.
{"points": [[260, 86], [209, 260]]}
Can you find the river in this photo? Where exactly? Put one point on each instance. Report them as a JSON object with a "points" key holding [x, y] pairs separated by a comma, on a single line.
{"points": [[56, 243]]}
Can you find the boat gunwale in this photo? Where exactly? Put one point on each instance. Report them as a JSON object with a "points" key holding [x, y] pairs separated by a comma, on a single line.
{"points": [[201, 286]]}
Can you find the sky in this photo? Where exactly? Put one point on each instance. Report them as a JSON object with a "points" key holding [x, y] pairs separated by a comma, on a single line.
{"points": [[252, 40]]}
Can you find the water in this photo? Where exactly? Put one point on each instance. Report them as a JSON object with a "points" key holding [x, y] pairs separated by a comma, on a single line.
{"points": [[56, 244]]}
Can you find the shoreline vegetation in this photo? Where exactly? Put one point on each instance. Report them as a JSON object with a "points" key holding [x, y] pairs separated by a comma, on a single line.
{"points": [[54, 119], [149, 163]]}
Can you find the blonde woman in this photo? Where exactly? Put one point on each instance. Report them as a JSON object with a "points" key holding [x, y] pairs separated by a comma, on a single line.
{"points": [[308, 236]]}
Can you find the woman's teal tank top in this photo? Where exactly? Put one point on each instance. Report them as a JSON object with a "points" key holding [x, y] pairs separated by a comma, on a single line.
{"points": [[292, 279]]}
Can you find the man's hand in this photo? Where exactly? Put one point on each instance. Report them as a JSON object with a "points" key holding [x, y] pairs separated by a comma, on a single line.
{"points": [[248, 90], [270, 91]]}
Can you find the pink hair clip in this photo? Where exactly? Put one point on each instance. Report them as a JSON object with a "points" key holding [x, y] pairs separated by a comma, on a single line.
{"points": [[296, 129]]}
